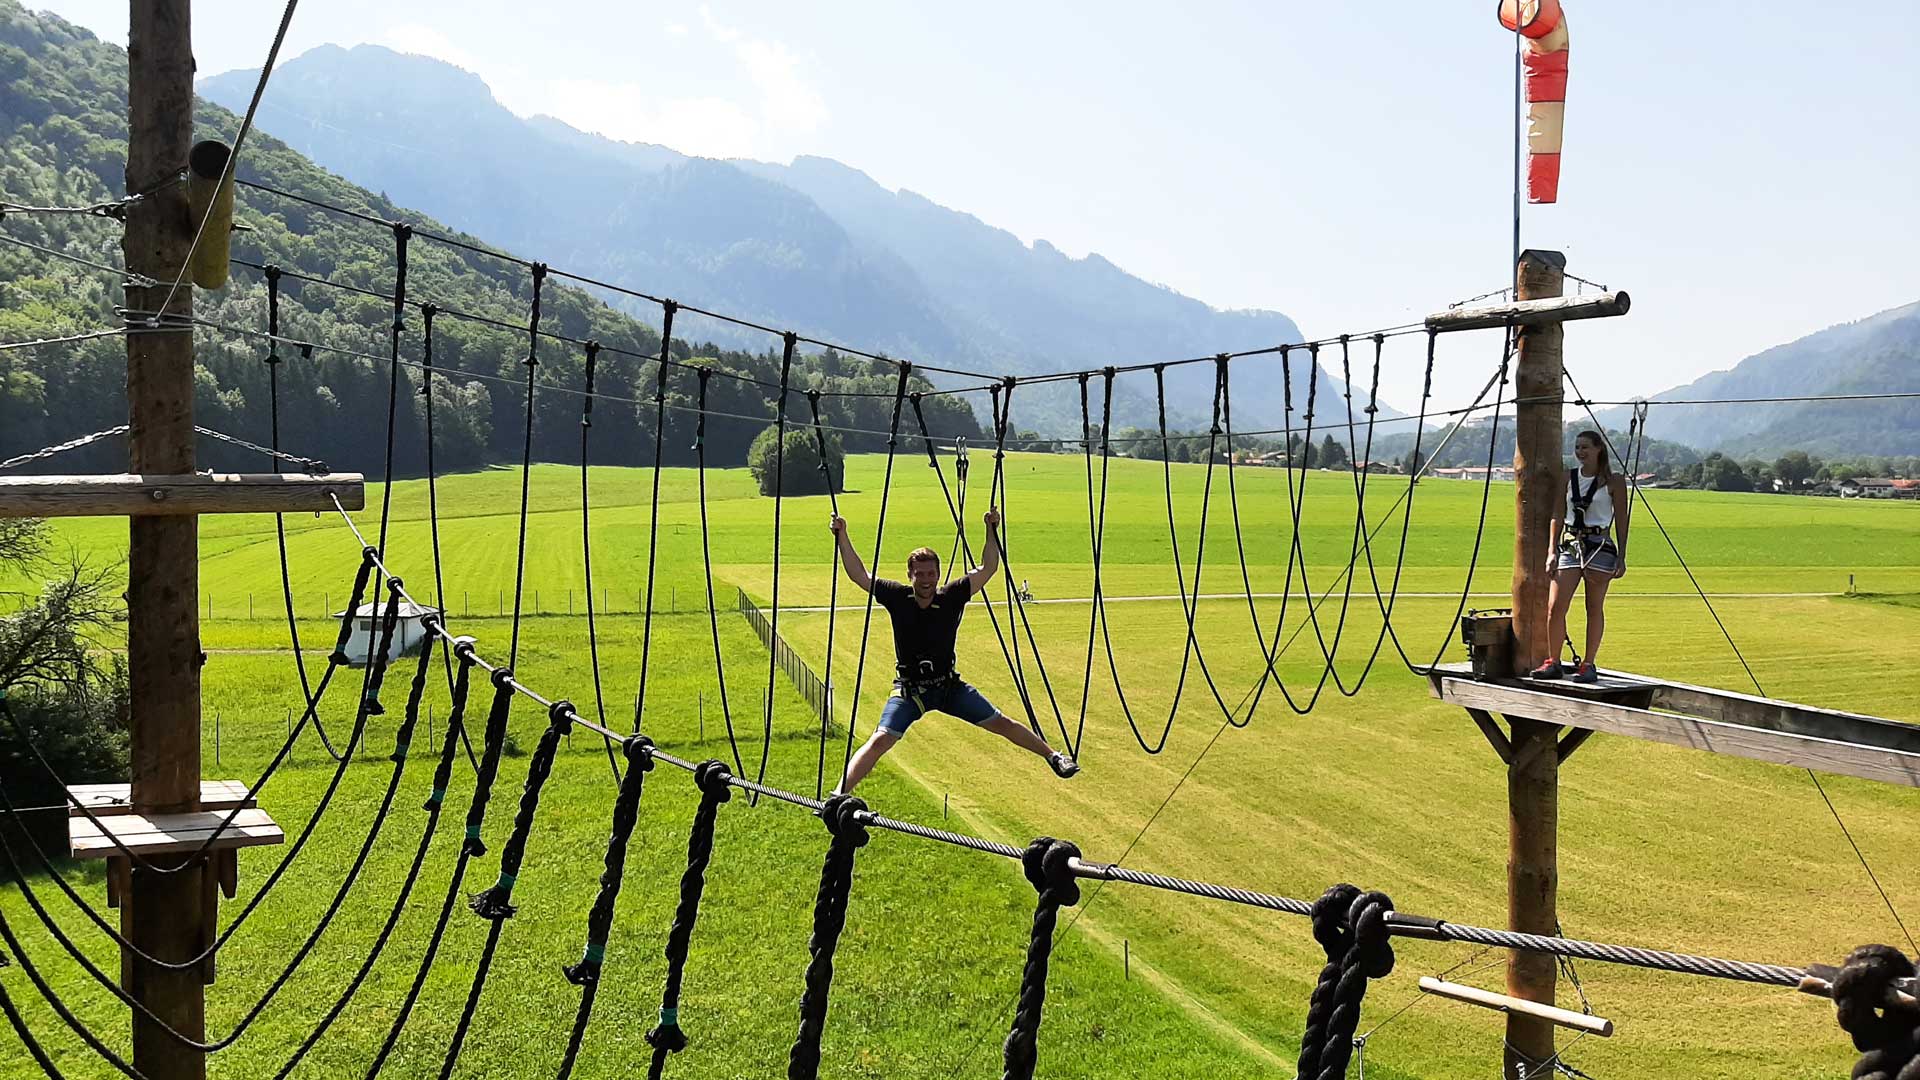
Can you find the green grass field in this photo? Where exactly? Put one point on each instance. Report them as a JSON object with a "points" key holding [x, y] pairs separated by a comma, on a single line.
{"points": [[1659, 846]]}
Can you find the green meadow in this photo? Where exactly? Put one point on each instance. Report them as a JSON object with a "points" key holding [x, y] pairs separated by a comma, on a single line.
{"points": [[1378, 784]]}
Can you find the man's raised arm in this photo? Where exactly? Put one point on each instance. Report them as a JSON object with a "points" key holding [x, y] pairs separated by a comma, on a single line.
{"points": [[989, 558], [849, 558]]}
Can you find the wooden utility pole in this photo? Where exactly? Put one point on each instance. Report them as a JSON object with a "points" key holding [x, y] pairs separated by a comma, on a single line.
{"points": [[1533, 772], [163, 627]]}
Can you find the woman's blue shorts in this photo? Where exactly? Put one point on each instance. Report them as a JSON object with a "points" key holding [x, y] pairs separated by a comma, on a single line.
{"points": [[1593, 553], [953, 697]]}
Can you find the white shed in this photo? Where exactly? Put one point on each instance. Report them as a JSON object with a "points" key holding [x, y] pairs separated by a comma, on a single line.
{"points": [[408, 631]]}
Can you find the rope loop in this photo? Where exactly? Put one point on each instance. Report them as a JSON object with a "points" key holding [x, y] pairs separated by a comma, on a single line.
{"points": [[561, 714], [713, 780], [638, 750], [840, 814], [1887, 1036], [1351, 927], [1048, 864]]}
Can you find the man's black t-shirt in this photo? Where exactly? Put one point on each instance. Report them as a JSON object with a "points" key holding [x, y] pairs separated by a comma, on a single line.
{"points": [[923, 637]]}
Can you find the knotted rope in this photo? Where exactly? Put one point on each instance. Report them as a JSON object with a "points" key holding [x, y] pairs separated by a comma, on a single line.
{"points": [[840, 814], [497, 902], [667, 1037], [1352, 927], [495, 737], [1048, 864], [1887, 1035], [638, 750]]}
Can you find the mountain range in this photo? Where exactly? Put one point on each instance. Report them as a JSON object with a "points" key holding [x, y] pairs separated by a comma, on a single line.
{"points": [[1879, 354], [814, 245]]}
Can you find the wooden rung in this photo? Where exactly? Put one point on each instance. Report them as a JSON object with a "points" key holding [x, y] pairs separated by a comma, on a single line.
{"points": [[158, 495], [1487, 999], [105, 799], [1553, 309], [157, 834]]}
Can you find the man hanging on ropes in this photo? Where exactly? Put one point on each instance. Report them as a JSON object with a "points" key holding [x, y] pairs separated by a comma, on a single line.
{"points": [[926, 619]]}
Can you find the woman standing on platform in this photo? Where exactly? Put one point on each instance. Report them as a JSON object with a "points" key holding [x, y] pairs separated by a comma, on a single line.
{"points": [[1590, 544]]}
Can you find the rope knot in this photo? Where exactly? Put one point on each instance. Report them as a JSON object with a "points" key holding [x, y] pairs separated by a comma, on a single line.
{"points": [[667, 1036], [502, 676], [839, 814], [713, 780], [638, 750], [1047, 864], [1330, 919], [560, 715], [1884, 1033]]}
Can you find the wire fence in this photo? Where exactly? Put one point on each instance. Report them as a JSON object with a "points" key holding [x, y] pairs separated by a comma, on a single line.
{"points": [[465, 604], [817, 691]]}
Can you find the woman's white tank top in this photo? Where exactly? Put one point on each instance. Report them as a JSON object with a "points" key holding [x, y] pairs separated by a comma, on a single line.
{"points": [[1599, 515]]}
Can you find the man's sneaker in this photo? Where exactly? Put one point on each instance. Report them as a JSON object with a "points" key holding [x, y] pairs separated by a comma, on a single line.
{"points": [[1549, 670], [1586, 673], [1063, 766]]}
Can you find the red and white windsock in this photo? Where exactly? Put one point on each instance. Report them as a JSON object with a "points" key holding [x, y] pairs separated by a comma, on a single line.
{"points": [[1544, 26]]}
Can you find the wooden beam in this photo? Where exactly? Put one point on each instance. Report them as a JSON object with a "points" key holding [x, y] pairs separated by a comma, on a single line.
{"points": [[1572, 742], [104, 799], [176, 495], [1889, 764], [1487, 999], [1495, 737], [160, 834], [1533, 312], [1732, 708]]}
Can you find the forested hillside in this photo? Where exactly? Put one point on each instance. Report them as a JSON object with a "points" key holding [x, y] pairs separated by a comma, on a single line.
{"points": [[63, 104]]}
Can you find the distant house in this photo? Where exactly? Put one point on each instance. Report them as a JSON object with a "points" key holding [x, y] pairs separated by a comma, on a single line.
{"points": [[1645, 479], [1867, 487], [408, 630], [1381, 467], [1906, 489]]}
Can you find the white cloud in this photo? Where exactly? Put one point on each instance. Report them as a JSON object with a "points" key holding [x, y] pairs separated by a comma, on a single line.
{"points": [[702, 126], [676, 29], [424, 40]]}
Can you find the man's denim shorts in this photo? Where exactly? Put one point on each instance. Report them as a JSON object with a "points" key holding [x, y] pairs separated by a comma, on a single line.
{"points": [[953, 697]]}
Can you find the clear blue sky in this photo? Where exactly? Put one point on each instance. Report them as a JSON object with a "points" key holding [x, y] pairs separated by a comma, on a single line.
{"points": [[1748, 170]]}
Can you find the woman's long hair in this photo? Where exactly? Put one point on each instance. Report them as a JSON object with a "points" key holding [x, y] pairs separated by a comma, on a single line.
{"points": [[1605, 464]]}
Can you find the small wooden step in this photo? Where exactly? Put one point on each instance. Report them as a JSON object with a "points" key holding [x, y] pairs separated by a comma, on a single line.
{"points": [[157, 834], [104, 799]]}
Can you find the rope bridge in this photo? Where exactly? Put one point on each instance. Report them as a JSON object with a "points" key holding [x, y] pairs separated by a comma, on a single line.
{"points": [[1355, 928]]}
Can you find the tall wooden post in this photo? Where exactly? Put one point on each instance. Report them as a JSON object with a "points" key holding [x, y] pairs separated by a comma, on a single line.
{"points": [[1533, 775], [168, 913]]}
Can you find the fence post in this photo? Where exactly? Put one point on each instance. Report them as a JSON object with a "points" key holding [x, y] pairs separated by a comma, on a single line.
{"points": [[503, 603], [216, 737], [703, 716], [673, 599], [249, 607], [569, 601], [290, 729], [429, 727]]}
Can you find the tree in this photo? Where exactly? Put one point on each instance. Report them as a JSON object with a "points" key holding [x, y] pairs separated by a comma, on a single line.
{"points": [[1795, 468], [71, 704], [1331, 455], [1722, 473], [799, 467]]}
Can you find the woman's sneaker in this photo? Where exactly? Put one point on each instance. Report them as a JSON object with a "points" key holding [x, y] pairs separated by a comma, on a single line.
{"points": [[1063, 766], [1552, 669], [1586, 673]]}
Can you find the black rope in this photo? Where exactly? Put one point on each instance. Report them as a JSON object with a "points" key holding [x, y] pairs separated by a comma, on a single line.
{"points": [[653, 513], [539, 272], [706, 560], [879, 537], [470, 846], [401, 234], [1352, 927], [336, 660], [1002, 397], [1886, 1033], [253, 1013], [668, 1037], [840, 814], [279, 520], [586, 554], [1048, 867], [427, 312], [779, 485], [966, 550], [638, 750], [833, 586], [401, 744], [59, 1006], [495, 904]]}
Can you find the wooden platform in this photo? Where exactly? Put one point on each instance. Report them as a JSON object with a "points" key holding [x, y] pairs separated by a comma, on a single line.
{"points": [[104, 799], [161, 834], [1718, 721]]}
